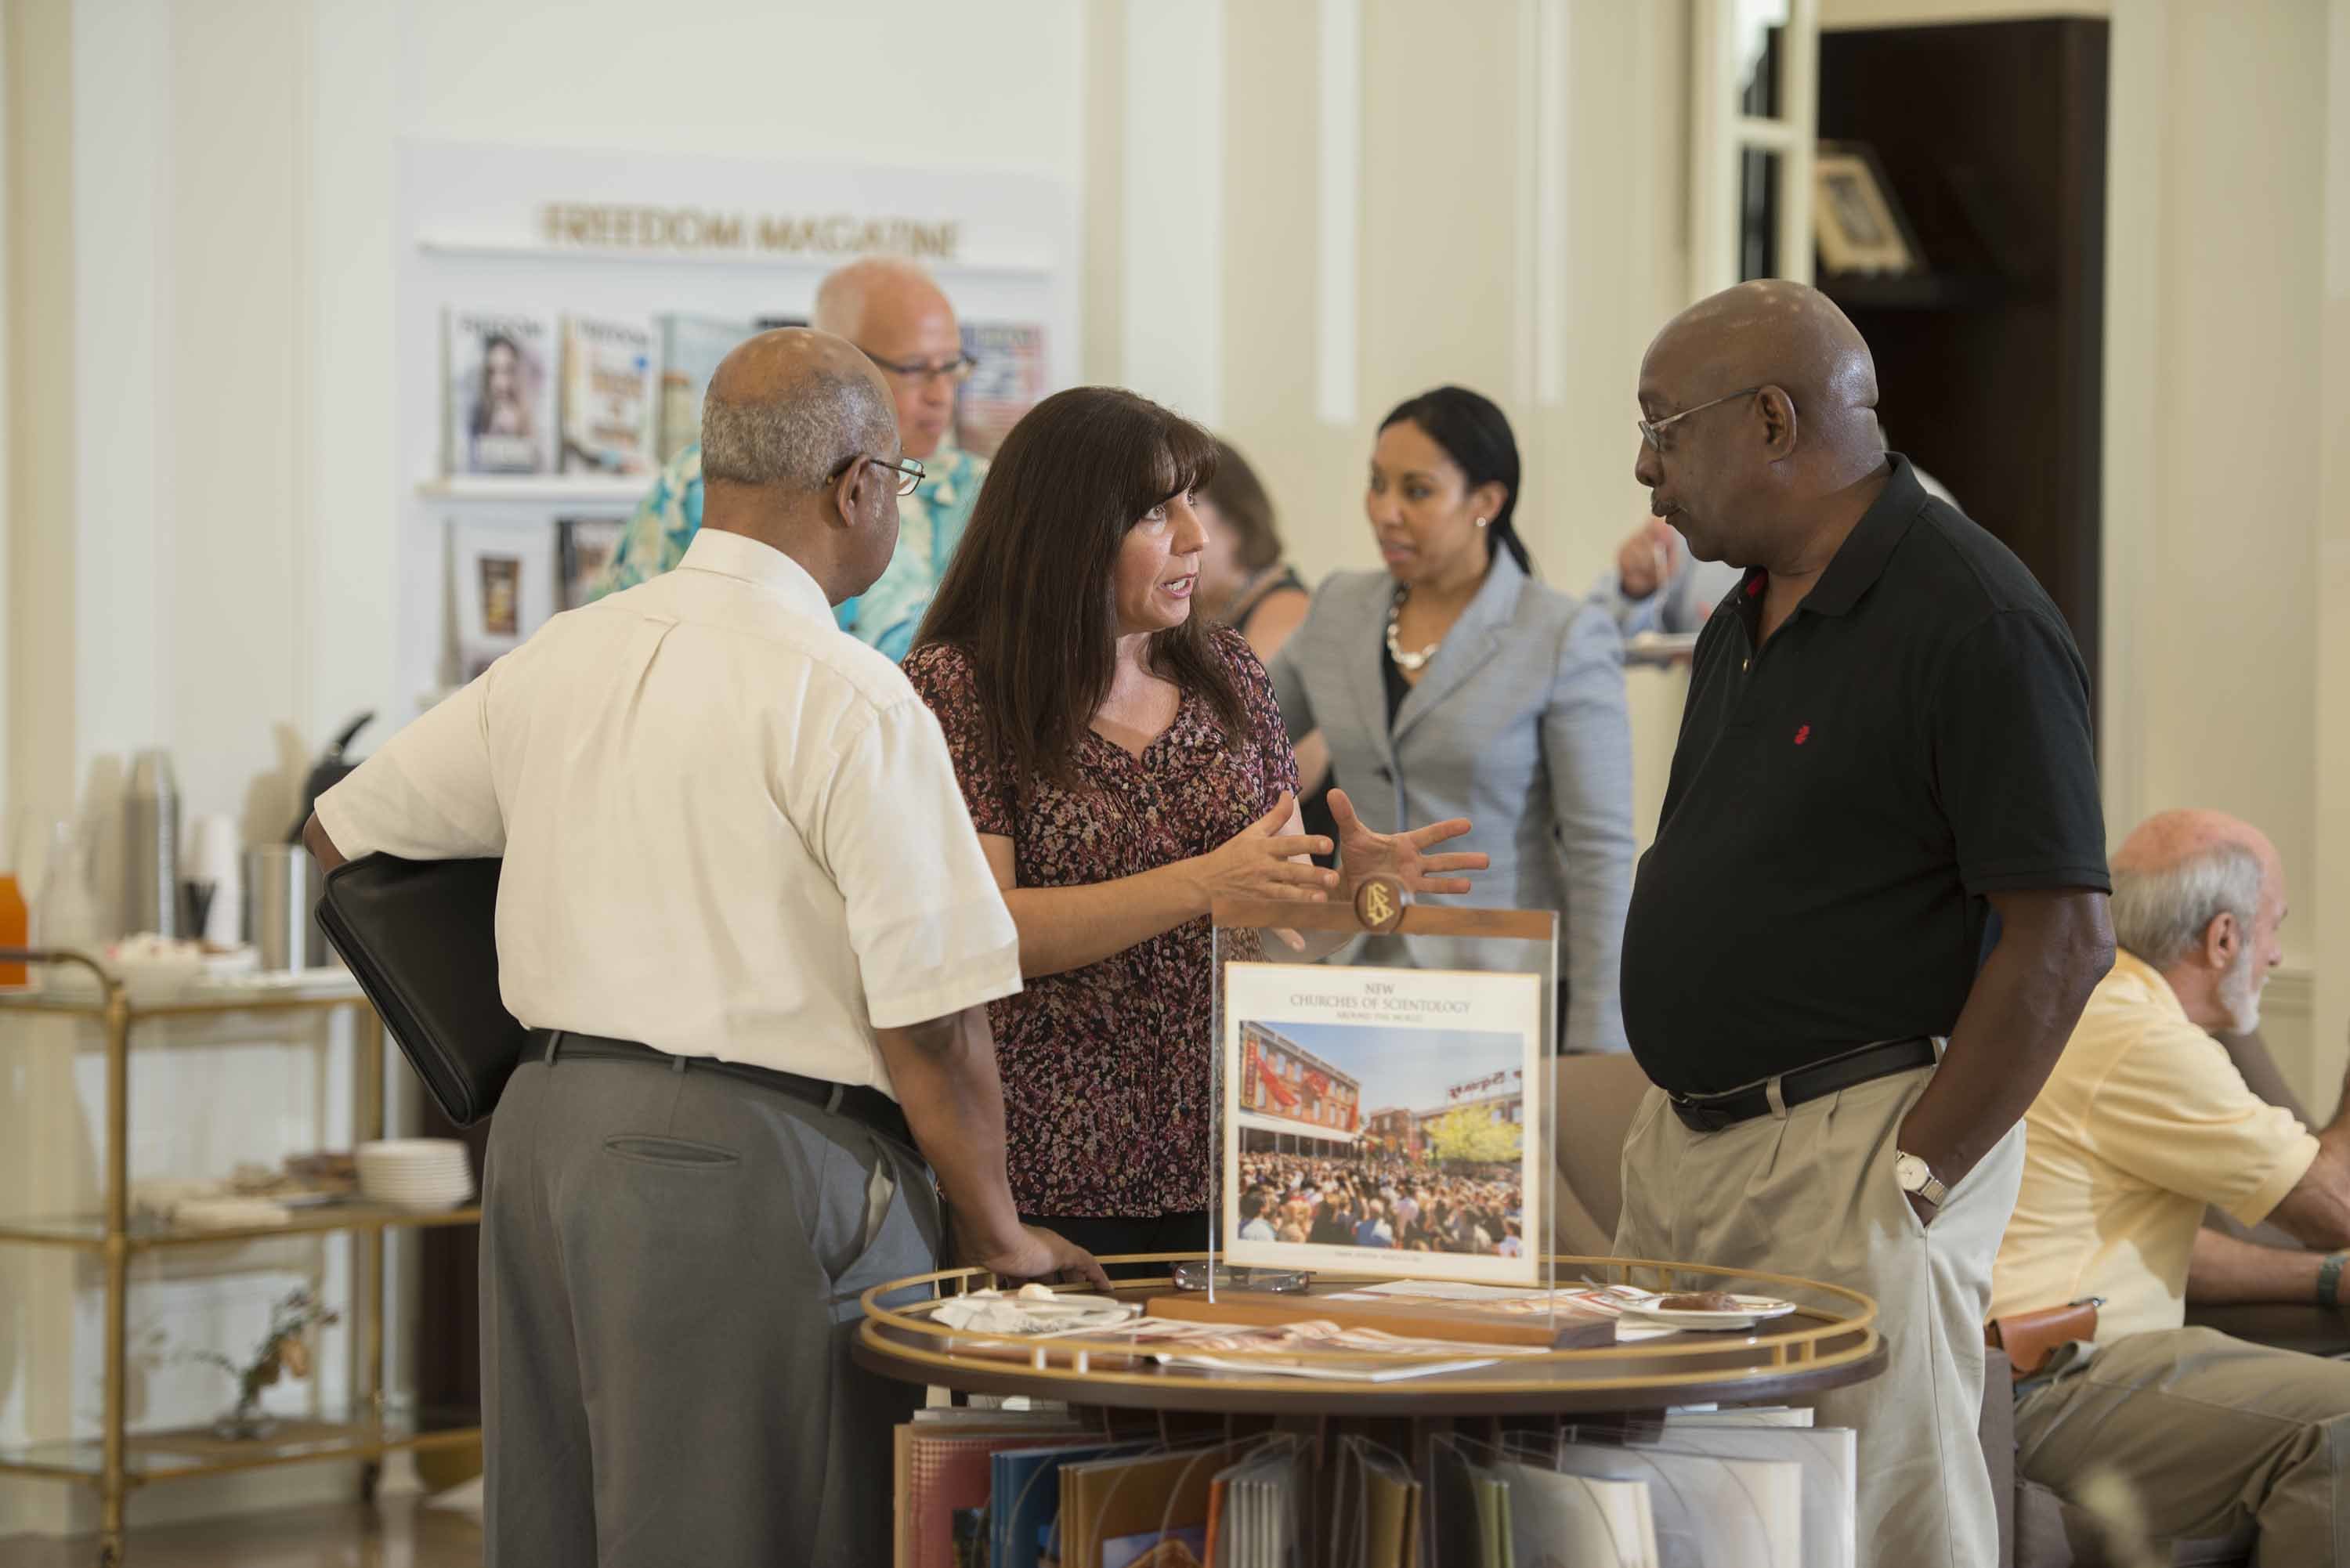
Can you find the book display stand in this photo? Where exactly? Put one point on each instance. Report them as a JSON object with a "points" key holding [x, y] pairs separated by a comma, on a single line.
{"points": [[1326, 1455], [1381, 1097], [1378, 1359]]}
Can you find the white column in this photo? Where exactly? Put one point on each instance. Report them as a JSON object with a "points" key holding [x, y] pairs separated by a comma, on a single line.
{"points": [[352, 485], [11, 853], [2135, 142], [2331, 960], [1799, 107], [1714, 151], [1173, 199], [123, 242], [1544, 89], [1338, 209]]}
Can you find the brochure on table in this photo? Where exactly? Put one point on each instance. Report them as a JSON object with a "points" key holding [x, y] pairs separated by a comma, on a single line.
{"points": [[1379, 1116]]}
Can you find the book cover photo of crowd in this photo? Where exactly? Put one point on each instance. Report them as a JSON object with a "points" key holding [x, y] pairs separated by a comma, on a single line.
{"points": [[1436, 1163]]}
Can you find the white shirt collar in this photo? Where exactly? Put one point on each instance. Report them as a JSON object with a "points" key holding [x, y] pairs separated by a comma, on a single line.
{"points": [[761, 566]]}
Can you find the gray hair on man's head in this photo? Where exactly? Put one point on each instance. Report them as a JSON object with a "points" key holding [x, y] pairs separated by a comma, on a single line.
{"points": [[799, 441], [2160, 913], [851, 294]]}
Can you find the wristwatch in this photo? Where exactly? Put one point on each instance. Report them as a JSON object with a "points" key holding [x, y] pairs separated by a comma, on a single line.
{"points": [[1916, 1176]]}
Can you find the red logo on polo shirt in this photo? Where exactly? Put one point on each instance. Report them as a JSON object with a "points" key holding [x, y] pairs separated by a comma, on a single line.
{"points": [[1803, 734]]}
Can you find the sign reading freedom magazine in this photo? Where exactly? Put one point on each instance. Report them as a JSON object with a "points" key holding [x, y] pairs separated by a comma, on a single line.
{"points": [[1384, 1121]]}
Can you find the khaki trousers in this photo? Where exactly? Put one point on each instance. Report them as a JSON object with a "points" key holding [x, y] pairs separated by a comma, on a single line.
{"points": [[2208, 1432], [1812, 1192]]}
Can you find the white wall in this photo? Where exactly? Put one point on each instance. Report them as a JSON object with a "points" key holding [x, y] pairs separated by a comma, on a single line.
{"points": [[8, 853], [201, 268], [2330, 1030], [232, 352], [203, 274], [1918, 13], [2213, 517], [2215, 242], [2227, 542], [1503, 196]]}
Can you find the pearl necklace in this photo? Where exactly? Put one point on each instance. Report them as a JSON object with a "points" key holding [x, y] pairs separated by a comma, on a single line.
{"points": [[1409, 663]]}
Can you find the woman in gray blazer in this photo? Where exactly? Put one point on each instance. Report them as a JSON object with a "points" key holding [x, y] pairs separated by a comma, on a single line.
{"points": [[1454, 683]]}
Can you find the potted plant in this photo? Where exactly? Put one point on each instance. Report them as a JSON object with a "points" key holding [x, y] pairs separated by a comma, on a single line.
{"points": [[284, 1350]]}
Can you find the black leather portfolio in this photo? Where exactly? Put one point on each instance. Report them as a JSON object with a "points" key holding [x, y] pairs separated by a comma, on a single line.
{"points": [[420, 937]]}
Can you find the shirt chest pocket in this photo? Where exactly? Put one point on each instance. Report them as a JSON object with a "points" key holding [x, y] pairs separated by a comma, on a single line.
{"points": [[1836, 762]]}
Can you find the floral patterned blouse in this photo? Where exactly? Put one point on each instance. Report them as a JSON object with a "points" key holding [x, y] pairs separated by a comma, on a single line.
{"points": [[1105, 1068]]}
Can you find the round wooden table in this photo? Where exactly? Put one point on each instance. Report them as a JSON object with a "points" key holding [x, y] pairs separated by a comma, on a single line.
{"points": [[1831, 1340], [1616, 1392]]}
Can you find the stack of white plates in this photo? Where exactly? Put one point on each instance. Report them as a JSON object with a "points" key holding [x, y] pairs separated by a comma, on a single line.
{"points": [[419, 1174]]}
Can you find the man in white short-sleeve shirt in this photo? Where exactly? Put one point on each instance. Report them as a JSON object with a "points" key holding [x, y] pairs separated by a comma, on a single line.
{"points": [[744, 911]]}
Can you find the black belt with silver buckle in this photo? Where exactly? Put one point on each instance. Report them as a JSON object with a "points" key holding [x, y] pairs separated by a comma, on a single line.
{"points": [[870, 1106], [1711, 1113]]}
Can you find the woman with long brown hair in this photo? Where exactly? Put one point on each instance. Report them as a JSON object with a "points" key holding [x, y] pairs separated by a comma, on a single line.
{"points": [[1125, 765]]}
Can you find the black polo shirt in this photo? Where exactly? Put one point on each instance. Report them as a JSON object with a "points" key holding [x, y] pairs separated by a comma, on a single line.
{"points": [[1914, 737]]}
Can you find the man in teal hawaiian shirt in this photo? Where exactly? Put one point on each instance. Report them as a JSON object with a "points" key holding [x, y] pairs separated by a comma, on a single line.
{"points": [[893, 311]]}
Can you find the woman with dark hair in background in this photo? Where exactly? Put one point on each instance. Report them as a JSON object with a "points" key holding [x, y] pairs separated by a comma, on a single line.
{"points": [[1455, 683], [1245, 583], [1125, 765]]}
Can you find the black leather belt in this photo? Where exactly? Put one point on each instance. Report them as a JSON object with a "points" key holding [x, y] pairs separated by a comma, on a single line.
{"points": [[870, 1106], [1711, 1113]]}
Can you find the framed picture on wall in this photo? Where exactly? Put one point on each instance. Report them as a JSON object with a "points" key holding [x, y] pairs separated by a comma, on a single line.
{"points": [[583, 552], [501, 589], [1858, 223]]}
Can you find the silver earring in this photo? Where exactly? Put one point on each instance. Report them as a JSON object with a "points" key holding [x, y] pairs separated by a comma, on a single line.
{"points": [[1480, 521]]}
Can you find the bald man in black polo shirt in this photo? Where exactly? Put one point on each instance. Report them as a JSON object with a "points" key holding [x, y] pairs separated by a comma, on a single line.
{"points": [[1876, 900]]}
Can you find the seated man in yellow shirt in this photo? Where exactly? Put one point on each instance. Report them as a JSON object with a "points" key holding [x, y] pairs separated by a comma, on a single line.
{"points": [[2145, 1122]]}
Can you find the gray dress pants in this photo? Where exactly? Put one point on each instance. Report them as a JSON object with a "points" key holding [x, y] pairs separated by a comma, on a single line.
{"points": [[670, 1263]]}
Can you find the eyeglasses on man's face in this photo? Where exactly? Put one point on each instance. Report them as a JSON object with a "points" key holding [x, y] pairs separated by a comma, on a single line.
{"points": [[955, 372], [1653, 430], [908, 472]]}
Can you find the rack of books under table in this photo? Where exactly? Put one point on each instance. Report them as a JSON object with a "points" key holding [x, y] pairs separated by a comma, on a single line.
{"points": [[1374, 1424]]}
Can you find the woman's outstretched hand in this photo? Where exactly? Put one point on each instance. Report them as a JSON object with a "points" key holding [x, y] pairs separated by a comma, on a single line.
{"points": [[1261, 862], [1403, 856]]}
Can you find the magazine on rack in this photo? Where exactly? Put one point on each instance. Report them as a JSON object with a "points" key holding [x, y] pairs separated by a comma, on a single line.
{"points": [[609, 382], [692, 347], [1007, 377], [582, 553], [1710, 1511], [501, 387]]}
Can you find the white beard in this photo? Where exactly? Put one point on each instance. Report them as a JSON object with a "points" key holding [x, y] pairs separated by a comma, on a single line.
{"points": [[2240, 992]]}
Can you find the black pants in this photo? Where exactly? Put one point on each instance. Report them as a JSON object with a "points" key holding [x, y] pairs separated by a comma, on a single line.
{"points": [[1113, 1235]]}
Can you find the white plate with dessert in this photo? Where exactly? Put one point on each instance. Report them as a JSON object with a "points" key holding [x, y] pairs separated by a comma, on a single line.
{"points": [[1710, 1310]]}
